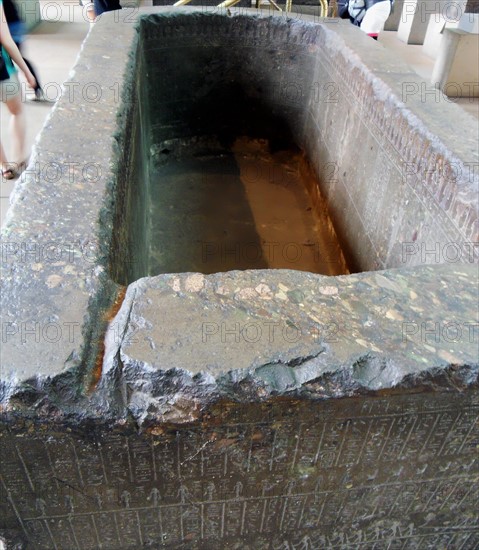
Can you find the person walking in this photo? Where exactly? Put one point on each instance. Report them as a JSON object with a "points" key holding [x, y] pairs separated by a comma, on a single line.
{"points": [[101, 6], [94, 8], [369, 15], [10, 95], [16, 27]]}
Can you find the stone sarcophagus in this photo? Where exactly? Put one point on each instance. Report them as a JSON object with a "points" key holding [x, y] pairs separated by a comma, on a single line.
{"points": [[249, 318]]}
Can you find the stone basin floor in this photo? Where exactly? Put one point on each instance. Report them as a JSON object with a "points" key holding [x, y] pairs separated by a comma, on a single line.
{"points": [[243, 208]]}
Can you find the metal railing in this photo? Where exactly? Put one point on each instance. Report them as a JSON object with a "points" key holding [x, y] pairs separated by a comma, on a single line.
{"points": [[287, 7]]}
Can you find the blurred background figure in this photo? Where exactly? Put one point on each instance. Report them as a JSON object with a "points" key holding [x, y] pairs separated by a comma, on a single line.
{"points": [[10, 95], [369, 15], [106, 5], [89, 7], [17, 30], [94, 8]]}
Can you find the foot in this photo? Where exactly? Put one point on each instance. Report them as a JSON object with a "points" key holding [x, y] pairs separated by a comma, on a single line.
{"points": [[9, 174], [15, 170], [41, 97]]}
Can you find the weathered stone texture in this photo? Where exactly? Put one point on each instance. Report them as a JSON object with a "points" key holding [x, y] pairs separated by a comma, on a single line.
{"points": [[400, 175], [284, 331], [170, 423], [397, 471]]}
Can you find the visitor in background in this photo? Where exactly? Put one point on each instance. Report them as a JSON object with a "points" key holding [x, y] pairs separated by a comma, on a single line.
{"points": [[94, 8], [17, 30], [10, 95], [102, 6], [369, 15], [90, 9]]}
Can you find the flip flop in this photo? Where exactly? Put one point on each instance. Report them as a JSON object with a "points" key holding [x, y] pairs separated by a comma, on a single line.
{"points": [[9, 174], [40, 97]]}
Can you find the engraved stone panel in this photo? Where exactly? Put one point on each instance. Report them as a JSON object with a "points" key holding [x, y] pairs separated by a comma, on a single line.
{"points": [[379, 480]]}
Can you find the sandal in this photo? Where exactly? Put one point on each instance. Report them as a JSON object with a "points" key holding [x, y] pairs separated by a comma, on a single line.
{"points": [[9, 174]]}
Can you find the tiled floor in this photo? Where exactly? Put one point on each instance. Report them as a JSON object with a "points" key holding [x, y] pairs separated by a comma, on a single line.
{"points": [[54, 46]]}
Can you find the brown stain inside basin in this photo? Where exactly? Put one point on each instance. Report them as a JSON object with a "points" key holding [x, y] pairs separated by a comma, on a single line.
{"points": [[246, 207]]}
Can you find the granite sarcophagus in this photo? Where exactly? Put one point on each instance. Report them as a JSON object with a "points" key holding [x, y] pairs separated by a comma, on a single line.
{"points": [[159, 392]]}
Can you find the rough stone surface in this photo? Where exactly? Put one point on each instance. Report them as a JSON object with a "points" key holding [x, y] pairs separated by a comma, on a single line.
{"points": [[56, 238], [390, 470], [251, 409], [289, 333], [56, 263]]}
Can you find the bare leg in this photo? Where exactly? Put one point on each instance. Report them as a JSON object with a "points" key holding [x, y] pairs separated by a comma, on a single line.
{"points": [[17, 127], [89, 7], [3, 158], [91, 14]]}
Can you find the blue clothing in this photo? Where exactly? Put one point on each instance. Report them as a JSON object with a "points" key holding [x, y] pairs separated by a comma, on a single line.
{"points": [[17, 30], [6, 67], [101, 6]]}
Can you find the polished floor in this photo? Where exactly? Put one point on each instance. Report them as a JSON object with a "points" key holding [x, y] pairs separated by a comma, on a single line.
{"points": [[54, 45]]}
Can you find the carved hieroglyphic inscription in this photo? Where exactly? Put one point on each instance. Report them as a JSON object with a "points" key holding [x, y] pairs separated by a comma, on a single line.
{"points": [[399, 472]]}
